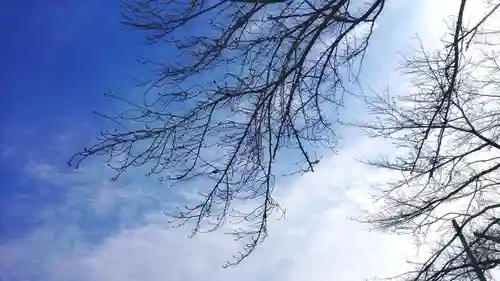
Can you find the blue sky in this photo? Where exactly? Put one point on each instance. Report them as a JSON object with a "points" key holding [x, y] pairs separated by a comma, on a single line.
{"points": [[58, 58]]}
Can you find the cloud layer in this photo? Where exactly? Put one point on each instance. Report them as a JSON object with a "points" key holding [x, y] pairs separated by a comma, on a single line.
{"points": [[317, 239], [116, 231]]}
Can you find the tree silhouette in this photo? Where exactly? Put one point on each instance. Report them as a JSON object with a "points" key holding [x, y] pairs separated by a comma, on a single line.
{"points": [[449, 125], [247, 85]]}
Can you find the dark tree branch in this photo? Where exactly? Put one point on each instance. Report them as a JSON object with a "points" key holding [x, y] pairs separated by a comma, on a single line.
{"points": [[449, 124], [245, 85]]}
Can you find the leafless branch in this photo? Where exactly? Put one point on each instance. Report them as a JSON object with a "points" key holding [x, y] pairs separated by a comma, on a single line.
{"points": [[245, 86], [449, 124]]}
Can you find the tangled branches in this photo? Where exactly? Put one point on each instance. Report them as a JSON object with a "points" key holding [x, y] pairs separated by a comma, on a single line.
{"points": [[246, 85], [450, 126]]}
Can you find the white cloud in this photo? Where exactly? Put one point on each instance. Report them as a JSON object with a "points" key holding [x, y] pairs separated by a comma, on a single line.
{"points": [[317, 240]]}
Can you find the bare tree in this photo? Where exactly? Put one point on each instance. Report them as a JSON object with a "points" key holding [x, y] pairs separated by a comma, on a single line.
{"points": [[246, 85], [448, 124]]}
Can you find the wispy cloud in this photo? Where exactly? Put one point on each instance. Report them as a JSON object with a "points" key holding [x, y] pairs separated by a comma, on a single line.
{"points": [[317, 240]]}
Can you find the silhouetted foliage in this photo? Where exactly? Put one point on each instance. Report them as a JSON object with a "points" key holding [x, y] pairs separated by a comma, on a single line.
{"points": [[449, 125], [249, 82]]}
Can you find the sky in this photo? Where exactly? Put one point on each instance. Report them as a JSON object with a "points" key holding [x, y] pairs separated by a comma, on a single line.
{"points": [[58, 58]]}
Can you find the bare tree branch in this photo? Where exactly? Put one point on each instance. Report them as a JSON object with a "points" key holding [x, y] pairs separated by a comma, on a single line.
{"points": [[245, 86], [450, 126]]}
